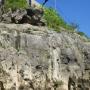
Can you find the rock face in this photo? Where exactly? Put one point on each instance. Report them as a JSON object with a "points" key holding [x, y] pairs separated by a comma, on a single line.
{"points": [[19, 16], [35, 58], [32, 15], [33, 3]]}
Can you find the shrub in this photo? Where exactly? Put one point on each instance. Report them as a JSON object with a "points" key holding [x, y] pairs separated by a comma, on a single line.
{"points": [[81, 33], [54, 20], [14, 4]]}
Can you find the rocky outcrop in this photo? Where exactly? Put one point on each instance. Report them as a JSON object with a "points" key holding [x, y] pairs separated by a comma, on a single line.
{"points": [[36, 58], [19, 16], [34, 3], [32, 14]]}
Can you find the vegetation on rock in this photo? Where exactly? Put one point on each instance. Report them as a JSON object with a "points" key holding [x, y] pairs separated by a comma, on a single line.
{"points": [[15, 4], [54, 20]]}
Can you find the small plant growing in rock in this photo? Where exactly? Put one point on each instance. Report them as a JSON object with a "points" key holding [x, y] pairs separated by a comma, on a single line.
{"points": [[58, 83]]}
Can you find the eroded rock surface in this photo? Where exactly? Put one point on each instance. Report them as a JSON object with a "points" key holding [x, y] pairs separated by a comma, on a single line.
{"points": [[35, 58], [19, 16]]}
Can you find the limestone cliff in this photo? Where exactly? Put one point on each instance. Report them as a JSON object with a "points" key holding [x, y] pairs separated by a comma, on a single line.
{"points": [[36, 58]]}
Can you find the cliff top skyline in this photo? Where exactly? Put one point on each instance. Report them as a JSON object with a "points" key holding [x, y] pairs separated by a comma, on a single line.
{"points": [[73, 11]]}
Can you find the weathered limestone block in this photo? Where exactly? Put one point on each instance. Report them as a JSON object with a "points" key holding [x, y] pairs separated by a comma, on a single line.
{"points": [[35, 58]]}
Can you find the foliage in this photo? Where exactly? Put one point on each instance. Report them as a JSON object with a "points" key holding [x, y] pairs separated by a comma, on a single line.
{"points": [[54, 20], [81, 33], [14, 4]]}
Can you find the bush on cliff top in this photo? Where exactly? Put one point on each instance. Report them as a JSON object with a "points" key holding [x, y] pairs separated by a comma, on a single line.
{"points": [[14, 4], [54, 20]]}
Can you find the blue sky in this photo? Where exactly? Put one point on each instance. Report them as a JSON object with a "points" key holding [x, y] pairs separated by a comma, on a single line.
{"points": [[77, 11]]}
